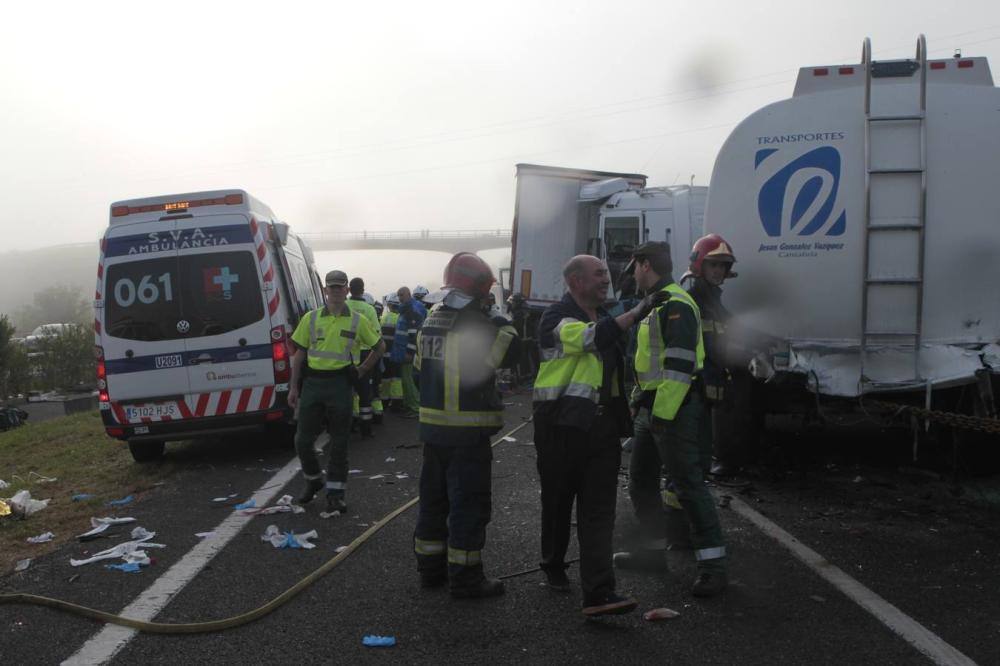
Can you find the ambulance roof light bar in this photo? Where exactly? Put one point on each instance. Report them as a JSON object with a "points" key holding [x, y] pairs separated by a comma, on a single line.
{"points": [[177, 206]]}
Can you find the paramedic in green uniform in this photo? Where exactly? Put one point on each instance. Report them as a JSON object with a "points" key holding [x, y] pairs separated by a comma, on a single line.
{"points": [[325, 340]]}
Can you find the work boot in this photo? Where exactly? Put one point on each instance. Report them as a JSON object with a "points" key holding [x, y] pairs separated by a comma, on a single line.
{"points": [[487, 587], [709, 584], [556, 579], [335, 503], [651, 561], [313, 486], [609, 604]]}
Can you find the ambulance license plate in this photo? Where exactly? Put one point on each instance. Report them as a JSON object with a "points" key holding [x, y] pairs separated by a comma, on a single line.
{"points": [[151, 412]]}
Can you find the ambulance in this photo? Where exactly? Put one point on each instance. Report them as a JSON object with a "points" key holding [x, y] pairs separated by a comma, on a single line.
{"points": [[197, 297]]}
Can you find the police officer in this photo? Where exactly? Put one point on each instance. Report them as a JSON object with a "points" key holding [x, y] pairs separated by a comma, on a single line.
{"points": [[460, 347], [326, 339], [363, 386], [669, 426], [580, 413]]}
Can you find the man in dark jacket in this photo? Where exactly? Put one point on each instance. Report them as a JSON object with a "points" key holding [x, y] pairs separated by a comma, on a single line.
{"points": [[580, 415]]}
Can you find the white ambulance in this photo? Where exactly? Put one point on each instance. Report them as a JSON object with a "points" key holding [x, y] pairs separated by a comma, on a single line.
{"points": [[197, 297]]}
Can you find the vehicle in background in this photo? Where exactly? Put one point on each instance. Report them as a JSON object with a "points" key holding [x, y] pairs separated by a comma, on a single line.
{"points": [[197, 297], [863, 213], [40, 333], [560, 212]]}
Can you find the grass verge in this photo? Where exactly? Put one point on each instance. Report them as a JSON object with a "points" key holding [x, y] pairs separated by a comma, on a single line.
{"points": [[83, 459]]}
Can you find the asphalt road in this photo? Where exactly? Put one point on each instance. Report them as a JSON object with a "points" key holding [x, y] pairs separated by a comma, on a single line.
{"points": [[934, 556]]}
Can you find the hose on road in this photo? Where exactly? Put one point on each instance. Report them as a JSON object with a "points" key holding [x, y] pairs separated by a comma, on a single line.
{"points": [[229, 622]]}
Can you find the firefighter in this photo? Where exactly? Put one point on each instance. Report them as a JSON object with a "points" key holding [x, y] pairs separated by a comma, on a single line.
{"points": [[712, 260], [363, 384], [669, 426], [391, 390], [580, 414], [326, 340], [460, 347], [411, 316]]}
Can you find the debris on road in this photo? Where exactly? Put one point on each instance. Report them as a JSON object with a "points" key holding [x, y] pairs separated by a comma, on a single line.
{"points": [[101, 524], [390, 459], [122, 502], [81, 497], [3, 484], [41, 538], [127, 567], [508, 438], [22, 565], [280, 539], [283, 505], [41, 479], [203, 535], [354, 471], [249, 504], [660, 614], [379, 641], [328, 514], [130, 551], [377, 476], [224, 499], [21, 504]]}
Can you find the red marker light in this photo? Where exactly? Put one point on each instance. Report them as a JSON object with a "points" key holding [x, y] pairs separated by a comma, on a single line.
{"points": [[938, 65], [821, 71], [965, 64], [845, 70]]}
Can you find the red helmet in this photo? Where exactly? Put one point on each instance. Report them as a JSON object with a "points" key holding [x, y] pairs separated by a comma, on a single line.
{"points": [[468, 273], [714, 248]]}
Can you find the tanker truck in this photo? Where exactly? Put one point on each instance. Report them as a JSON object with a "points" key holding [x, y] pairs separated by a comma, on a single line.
{"points": [[866, 222]]}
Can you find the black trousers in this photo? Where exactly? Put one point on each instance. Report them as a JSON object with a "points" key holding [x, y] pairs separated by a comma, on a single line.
{"points": [[581, 466]]}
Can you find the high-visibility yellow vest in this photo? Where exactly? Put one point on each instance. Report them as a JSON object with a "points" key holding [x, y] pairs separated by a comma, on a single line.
{"points": [[654, 361], [329, 339], [573, 367]]}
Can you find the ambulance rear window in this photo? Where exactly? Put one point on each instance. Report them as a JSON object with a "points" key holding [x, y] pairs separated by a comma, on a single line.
{"points": [[182, 297]]}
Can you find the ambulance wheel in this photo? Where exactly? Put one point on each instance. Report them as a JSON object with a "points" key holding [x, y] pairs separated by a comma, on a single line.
{"points": [[146, 451]]}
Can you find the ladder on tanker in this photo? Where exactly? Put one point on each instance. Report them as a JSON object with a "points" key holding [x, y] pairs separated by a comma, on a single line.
{"points": [[894, 227]]}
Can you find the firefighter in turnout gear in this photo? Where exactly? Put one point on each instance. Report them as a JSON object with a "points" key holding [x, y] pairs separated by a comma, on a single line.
{"points": [[670, 426], [459, 349], [580, 414], [728, 387], [363, 384], [326, 341], [391, 389]]}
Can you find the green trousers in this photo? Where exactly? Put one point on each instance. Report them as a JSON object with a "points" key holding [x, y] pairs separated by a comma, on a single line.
{"points": [[330, 398], [683, 446], [411, 395]]}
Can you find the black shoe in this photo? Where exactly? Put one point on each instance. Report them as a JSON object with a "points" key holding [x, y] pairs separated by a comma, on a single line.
{"points": [[610, 604], [557, 580], [336, 503], [313, 486], [487, 587], [652, 561], [429, 580], [709, 584]]}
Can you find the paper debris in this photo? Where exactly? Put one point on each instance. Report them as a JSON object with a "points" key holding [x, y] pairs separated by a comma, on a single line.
{"points": [[377, 476], [660, 614], [508, 438], [354, 471], [101, 524], [22, 564], [390, 459], [280, 539], [22, 504], [41, 538], [203, 535]]}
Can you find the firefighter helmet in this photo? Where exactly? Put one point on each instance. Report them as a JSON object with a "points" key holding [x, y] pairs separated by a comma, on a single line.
{"points": [[468, 273], [420, 291], [392, 300], [714, 248]]}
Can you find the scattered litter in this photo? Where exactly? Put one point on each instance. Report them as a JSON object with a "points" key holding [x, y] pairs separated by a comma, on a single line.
{"points": [[283, 505], [816, 597], [22, 504], [660, 614], [339, 549], [203, 535], [377, 476], [3, 484], [101, 524], [224, 499], [22, 564], [402, 476], [127, 567], [331, 514], [4, 508], [508, 438], [81, 497], [41, 538], [354, 471], [249, 504], [390, 459], [123, 501], [859, 479], [379, 641], [41, 479], [130, 551], [280, 539], [73, 578]]}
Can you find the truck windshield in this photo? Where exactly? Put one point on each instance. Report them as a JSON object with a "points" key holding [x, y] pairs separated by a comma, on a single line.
{"points": [[621, 236], [150, 299]]}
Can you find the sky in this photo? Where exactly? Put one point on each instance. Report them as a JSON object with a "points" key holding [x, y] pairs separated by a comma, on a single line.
{"points": [[385, 116]]}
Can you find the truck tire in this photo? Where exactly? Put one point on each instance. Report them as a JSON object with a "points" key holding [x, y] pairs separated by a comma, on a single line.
{"points": [[143, 452]]}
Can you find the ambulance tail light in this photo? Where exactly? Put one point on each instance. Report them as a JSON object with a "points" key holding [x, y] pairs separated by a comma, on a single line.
{"points": [[279, 356], [102, 375]]}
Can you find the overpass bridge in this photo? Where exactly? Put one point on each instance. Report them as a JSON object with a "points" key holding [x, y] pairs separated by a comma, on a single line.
{"points": [[452, 240]]}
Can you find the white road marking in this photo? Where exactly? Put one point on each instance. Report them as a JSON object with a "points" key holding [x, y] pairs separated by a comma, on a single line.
{"points": [[914, 633], [106, 643]]}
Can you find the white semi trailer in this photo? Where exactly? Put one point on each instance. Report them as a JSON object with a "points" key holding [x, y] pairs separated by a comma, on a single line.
{"points": [[865, 215], [562, 212]]}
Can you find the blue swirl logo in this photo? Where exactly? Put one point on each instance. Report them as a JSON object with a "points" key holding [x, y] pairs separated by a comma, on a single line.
{"points": [[799, 198]]}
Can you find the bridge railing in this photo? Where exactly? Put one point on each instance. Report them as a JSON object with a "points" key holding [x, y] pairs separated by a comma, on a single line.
{"points": [[417, 234]]}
